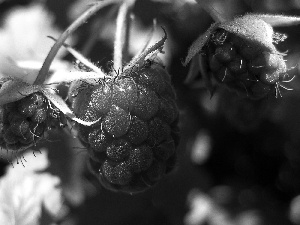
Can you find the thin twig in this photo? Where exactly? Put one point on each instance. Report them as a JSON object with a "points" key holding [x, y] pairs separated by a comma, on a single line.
{"points": [[138, 61], [78, 22], [82, 59]]}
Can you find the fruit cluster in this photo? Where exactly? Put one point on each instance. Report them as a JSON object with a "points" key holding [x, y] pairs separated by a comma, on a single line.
{"points": [[133, 144], [23, 122], [244, 66]]}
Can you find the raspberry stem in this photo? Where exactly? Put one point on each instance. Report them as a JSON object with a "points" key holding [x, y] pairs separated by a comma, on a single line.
{"points": [[55, 48], [122, 34], [83, 60], [139, 60]]}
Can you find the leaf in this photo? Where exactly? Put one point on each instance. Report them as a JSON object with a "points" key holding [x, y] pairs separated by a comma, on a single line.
{"points": [[279, 20], [9, 68], [63, 107], [67, 77], [199, 43], [15, 89], [250, 27]]}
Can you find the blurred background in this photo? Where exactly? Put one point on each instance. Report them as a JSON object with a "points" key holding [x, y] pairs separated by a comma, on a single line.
{"points": [[238, 159]]}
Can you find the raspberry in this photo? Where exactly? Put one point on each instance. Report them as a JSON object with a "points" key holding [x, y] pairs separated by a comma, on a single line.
{"points": [[24, 122], [243, 66], [133, 145]]}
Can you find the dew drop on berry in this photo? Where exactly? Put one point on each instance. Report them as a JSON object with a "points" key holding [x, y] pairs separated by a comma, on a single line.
{"points": [[140, 158], [117, 121], [116, 174], [124, 93], [26, 109], [40, 115], [97, 140], [147, 104], [118, 150], [151, 78], [138, 131], [100, 100]]}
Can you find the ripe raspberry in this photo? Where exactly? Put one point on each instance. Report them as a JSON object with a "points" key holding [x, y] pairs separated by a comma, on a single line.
{"points": [[244, 66], [133, 144], [24, 122]]}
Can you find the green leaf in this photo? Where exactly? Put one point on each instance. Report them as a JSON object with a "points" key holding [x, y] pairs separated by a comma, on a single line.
{"points": [[253, 29], [67, 77]]}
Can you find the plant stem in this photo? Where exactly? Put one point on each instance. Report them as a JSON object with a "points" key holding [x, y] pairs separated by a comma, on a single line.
{"points": [[78, 22], [121, 36]]}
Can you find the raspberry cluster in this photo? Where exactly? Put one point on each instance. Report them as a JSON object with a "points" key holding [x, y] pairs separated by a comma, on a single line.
{"points": [[133, 144], [23, 122], [246, 67]]}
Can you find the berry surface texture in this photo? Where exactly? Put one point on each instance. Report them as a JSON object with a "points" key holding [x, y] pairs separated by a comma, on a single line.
{"points": [[25, 121], [132, 145]]}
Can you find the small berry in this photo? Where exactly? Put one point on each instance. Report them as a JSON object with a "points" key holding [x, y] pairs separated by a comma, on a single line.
{"points": [[241, 55], [25, 121], [240, 66]]}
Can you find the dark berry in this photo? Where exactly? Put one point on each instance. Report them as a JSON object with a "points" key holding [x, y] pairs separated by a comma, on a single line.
{"points": [[242, 65], [116, 174], [118, 150], [133, 144], [25, 121], [117, 121]]}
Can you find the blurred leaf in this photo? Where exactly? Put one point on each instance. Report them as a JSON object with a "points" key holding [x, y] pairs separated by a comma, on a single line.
{"points": [[15, 89]]}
